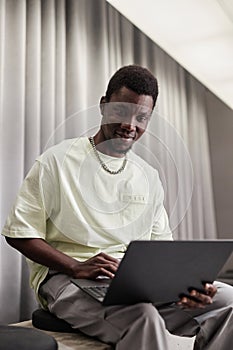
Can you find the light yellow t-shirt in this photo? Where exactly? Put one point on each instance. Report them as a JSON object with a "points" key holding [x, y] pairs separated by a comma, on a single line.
{"points": [[70, 201]]}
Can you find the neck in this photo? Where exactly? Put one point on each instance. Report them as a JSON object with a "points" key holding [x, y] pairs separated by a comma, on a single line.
{"points": [[104, 146], [103, 164]]}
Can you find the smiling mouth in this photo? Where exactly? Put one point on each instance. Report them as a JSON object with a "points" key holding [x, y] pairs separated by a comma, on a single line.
{"points": [[124, 137]]}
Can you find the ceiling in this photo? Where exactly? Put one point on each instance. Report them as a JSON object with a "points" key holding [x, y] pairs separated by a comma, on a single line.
{"points": [[198, 34]]}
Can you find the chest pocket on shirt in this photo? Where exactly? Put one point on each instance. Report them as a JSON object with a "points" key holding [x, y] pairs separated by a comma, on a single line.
{"points": [[137, 209], [133, 198]]}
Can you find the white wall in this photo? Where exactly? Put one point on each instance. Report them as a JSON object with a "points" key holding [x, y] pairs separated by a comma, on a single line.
{"points": [[220, 125]]}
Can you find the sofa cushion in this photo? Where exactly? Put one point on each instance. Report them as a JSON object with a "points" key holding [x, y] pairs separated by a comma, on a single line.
{"points": [[45, 320], [25, 339]]}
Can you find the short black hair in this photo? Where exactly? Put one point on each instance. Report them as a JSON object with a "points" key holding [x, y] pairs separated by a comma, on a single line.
{"points": [[136, 78]]}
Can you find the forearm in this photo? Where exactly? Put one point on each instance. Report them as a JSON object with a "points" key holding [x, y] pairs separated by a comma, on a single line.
{"points": [[38, 250], [41, 252]]}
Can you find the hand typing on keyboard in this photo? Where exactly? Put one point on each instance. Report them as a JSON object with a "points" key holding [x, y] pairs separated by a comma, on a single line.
{"points": [[100, 265]]}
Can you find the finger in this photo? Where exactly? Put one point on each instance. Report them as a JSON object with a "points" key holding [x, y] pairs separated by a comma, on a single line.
{"points": [[195, 300], [186, 302], [104, 258], [201, 298], [105, 272], [101, 261], [91, 269], [93, 273], [97, 266], [109, 267], [109, 258], [210, 289]]}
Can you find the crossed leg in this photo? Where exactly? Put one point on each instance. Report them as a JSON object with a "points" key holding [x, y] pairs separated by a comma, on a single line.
{"points": [[142, 326]]}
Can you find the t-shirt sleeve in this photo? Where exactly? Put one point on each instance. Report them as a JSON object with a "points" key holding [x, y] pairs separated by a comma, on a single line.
{"points": [[27, 218], [160, 229]]}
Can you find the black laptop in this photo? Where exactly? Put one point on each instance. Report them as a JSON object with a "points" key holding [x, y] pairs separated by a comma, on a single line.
{"points": [[160, 271]]}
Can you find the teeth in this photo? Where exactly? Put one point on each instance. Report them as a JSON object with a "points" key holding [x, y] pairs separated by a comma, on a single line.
{"points": [[124, 137]]}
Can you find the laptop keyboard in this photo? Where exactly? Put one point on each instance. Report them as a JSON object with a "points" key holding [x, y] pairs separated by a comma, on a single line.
{"points": [[97, 292]]}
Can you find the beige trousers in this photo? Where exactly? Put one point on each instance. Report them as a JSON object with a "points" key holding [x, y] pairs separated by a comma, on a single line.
{"points": [[142, 326]]}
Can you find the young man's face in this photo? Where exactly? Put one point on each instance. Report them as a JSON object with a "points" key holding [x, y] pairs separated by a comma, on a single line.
{"points": [[125, 119]]}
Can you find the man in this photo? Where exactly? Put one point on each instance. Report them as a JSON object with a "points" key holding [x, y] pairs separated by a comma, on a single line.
{"points": [[82, 203]]}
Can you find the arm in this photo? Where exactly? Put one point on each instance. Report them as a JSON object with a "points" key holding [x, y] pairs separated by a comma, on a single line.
{"points": [[41, 252], [35, 201]]}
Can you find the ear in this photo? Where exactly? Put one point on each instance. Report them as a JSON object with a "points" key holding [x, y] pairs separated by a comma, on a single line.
{"points": [[102, 102]]}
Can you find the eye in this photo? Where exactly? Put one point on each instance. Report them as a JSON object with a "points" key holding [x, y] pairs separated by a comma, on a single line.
{"points": [[142, 118], [120, 111]]}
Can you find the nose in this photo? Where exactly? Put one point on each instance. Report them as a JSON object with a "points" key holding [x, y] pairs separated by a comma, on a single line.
{"points": [[129, 124]]}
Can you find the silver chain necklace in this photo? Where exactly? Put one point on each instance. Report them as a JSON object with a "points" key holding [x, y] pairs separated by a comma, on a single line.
{"points": [[104, 166]]}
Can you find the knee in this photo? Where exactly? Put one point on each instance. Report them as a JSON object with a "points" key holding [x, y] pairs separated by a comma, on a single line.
{"points": [[147, 311], [224, 295]]}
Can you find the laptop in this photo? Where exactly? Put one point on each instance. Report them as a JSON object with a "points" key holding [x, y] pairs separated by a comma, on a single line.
{"points": [[160, 271]]}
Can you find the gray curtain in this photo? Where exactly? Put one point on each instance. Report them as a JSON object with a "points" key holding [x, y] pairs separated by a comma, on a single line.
{"points": [[56, 57]]}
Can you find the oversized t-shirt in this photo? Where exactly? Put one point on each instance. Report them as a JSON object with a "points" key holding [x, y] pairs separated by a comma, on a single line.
{"points": [[70, 201]]}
